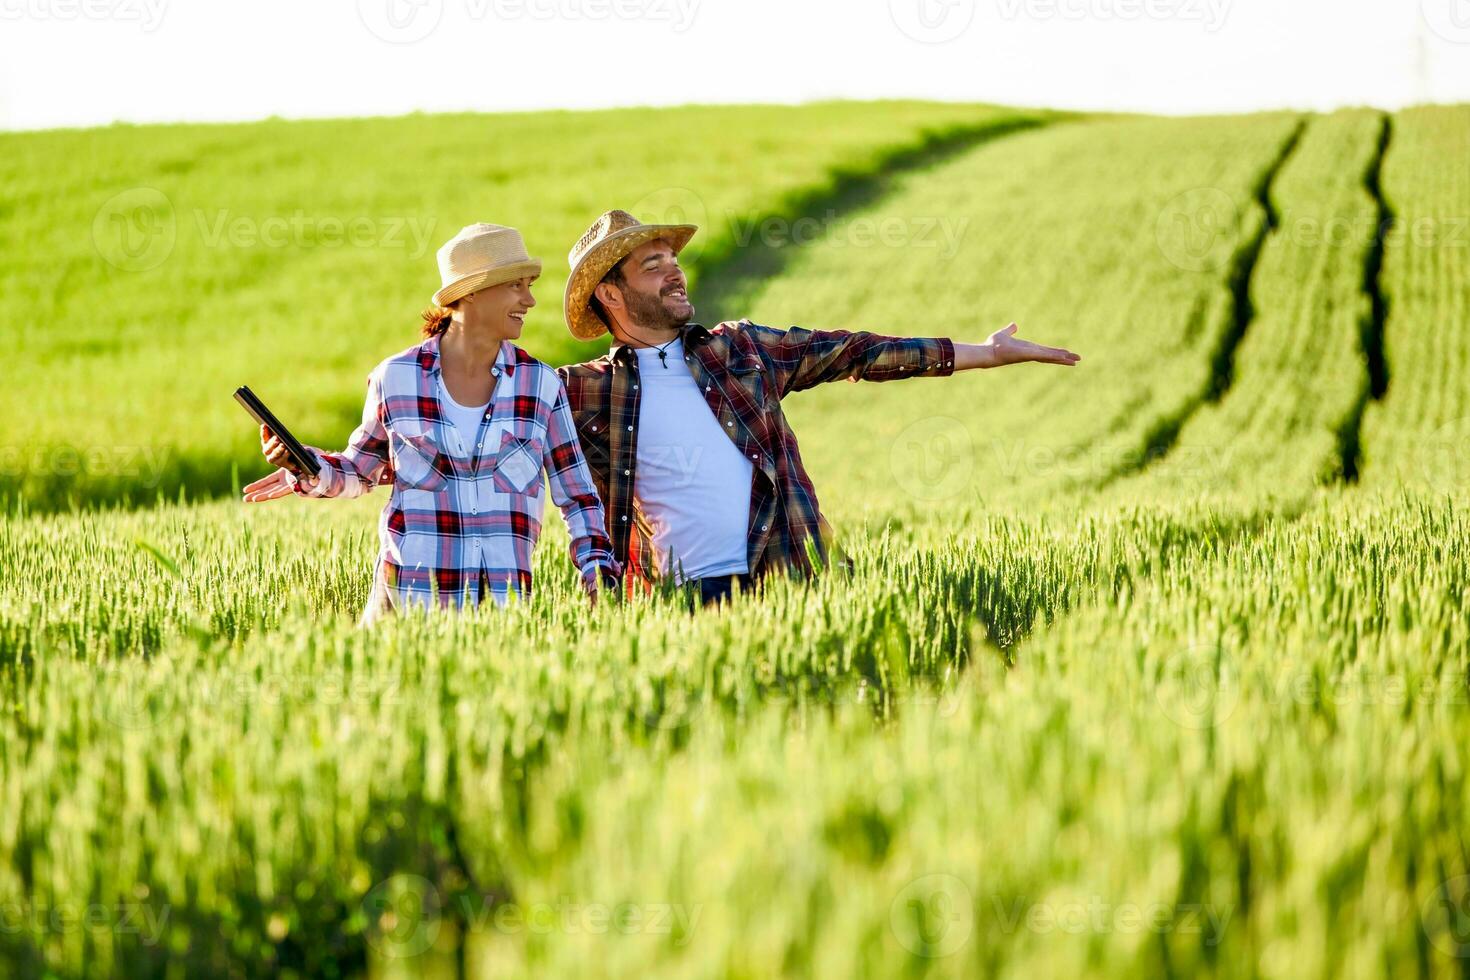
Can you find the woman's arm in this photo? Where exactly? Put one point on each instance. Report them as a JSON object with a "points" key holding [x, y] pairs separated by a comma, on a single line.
{"points": [[573, 491], [353, 472]]}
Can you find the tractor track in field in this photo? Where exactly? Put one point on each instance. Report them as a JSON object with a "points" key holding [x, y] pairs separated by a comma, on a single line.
{"points": [[733, 270], [1162, 437], [1348, 466]]}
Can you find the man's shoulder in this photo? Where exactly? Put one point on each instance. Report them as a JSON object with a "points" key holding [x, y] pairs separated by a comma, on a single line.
{"points": [[735, 328], [587, 382], [742, 335], [599, 368]]}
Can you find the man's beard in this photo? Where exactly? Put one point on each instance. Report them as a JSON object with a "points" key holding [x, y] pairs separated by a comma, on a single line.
{"points": [[648, 311]]}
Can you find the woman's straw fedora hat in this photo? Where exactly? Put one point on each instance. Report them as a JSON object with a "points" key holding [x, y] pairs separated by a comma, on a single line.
{"points": [[482, 255], [605, 244]]}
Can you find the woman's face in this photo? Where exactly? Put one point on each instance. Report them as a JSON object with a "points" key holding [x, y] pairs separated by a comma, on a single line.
{"points": [[500, 310]]}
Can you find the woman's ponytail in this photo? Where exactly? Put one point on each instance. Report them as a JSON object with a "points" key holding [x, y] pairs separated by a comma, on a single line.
{"points": [[436, 320]]}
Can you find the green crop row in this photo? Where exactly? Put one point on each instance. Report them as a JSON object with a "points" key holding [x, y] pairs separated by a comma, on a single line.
{"points": [[1419, 433]]}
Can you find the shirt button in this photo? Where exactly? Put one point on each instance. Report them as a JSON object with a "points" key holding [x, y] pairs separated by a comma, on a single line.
{"points": [[635, 387], [765, 527], [729, 425], [495, 372], [754, 456], [630, 428], [594, 428], [625, 517], [627, 472]]}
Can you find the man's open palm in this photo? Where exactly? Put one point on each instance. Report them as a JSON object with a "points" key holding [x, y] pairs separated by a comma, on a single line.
{"points": [[1007, 348]]}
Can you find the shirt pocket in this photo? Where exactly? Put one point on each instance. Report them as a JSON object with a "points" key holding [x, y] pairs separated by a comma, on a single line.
{"points": [[748, 372], [418, 462], [591, 425], [518, 465]]}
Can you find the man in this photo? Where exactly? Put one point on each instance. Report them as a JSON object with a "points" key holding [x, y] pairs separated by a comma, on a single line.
{"points": [[699, 472]]}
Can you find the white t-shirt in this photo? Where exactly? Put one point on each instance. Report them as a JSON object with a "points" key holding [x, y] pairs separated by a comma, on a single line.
{"points": [[464, 418], [693, 484]]}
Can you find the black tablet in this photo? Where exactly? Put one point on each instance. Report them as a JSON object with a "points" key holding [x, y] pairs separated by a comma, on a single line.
{"points": [[305, 461]]}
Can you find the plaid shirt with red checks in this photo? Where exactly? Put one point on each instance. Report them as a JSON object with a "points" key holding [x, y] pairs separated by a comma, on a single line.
{"points": [[462, 510], [744, 370]]}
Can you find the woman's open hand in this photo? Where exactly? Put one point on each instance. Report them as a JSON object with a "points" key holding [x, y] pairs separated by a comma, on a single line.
{"points": [[269, 487]]}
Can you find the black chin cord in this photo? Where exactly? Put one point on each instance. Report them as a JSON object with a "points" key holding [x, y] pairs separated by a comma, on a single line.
{"points": [[663, 355]]}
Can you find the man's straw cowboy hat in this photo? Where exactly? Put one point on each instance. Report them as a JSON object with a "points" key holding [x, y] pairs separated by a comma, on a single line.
{"points": [[605, 244], [482, 255]]}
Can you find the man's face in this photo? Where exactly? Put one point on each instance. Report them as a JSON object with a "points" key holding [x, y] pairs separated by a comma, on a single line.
{"points": [[655, 290]]}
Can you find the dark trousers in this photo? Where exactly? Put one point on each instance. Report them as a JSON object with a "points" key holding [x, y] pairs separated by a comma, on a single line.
{"points": [[710, 591]]}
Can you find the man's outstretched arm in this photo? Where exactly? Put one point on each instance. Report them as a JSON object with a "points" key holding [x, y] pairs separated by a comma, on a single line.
{"points": [[804, 358]]}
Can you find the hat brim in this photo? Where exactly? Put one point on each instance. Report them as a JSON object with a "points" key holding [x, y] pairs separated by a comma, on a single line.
{"points": [[589, 270], [475, 281]]}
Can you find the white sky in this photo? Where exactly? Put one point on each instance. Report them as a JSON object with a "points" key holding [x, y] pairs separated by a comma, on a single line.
{"points": [[86, 62]]}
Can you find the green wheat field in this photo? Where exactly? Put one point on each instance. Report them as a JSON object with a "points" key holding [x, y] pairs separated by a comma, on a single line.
{"points": [[1159, 666]]}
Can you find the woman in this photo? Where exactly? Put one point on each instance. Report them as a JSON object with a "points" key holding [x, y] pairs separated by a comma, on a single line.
{"points": [[462, 426]]}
